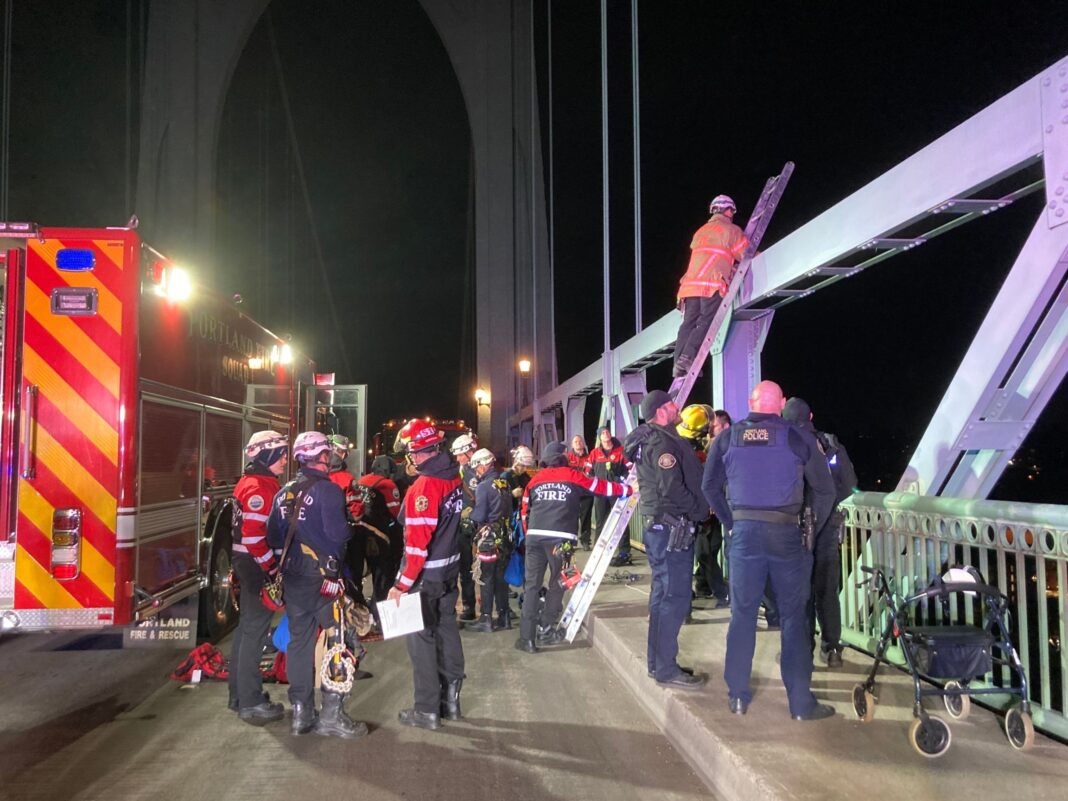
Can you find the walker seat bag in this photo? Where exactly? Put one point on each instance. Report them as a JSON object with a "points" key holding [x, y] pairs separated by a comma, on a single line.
{"points": [[952, 652]]}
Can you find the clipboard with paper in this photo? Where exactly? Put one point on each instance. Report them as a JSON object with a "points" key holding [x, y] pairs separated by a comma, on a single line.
{"points": [[401, 618]]}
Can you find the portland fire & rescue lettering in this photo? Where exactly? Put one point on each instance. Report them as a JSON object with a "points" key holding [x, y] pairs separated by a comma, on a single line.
{"points": [[207, 326]]}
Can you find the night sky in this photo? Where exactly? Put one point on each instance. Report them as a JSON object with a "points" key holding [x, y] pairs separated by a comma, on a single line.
{"points": [[729, 92]]}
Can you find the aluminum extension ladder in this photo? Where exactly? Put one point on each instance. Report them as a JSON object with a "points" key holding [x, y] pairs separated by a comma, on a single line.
{"points": [[619, 518]]}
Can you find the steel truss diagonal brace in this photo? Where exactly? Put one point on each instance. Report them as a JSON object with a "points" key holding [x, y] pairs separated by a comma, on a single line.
{"points": [[1010, 371], [736, 362]]}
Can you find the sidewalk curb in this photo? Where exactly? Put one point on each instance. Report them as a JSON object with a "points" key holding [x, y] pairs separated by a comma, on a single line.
{"points": [[724, 771]]}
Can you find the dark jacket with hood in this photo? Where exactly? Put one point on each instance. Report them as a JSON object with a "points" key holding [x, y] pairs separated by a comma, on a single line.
{"points": [[669, 474]]}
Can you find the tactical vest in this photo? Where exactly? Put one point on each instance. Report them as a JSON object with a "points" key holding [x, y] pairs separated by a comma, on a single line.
{"points": [[763, 472]]}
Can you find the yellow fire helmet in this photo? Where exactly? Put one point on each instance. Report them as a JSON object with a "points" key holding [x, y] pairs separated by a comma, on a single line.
{"points": [[694, 422]]}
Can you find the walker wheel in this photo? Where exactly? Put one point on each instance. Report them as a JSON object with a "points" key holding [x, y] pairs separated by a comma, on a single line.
{"points": [[930, 736], [1019, 728], [863, 703], [957, 706]]}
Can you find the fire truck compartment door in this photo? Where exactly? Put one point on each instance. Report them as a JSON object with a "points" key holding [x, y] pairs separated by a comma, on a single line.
{"points": [[12, 273], [72, 328]]}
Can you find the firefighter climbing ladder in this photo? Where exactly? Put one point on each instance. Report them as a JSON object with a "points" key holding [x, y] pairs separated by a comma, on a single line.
{"points": [[619, 518]]}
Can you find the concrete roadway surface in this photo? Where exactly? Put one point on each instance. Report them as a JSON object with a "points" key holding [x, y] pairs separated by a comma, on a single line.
{"points": [[80, 719]]}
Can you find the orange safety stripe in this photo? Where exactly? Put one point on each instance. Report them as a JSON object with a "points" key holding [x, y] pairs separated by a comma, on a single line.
{"points": [[109, 308], [39, 583], [94, 565], [77, 479], [73, 338], [65, 398], [112, 249]]}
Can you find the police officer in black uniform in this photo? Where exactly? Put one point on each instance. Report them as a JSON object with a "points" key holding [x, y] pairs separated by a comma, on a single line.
{"points": [[669, 481], [824, 604], [769, 469], [311, 579]]}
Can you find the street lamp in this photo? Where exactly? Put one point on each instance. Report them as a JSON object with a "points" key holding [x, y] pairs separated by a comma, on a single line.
{"points": [[524, 377], [482, 397]]}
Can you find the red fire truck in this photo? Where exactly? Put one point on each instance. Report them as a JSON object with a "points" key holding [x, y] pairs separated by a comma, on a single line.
{"points": [[127, 397]]}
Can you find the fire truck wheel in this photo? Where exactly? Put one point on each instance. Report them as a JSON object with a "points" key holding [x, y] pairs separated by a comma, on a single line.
{"points": [[217, 612]]}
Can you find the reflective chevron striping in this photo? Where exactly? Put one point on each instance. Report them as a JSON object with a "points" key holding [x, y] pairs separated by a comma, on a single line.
{"points": [[94, 565], [80, 414], [48, 592], [73, 338], [77, 479], [109, 308]]}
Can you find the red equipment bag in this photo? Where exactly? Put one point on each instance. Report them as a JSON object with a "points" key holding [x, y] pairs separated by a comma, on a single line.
{"points": [[208, 660]]}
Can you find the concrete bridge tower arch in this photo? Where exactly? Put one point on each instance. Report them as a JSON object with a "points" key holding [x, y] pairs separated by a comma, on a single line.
{"points": [[192, 49]]}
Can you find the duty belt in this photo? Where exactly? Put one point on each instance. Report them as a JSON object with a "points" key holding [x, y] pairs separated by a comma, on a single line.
{"points": [[764, 516]]}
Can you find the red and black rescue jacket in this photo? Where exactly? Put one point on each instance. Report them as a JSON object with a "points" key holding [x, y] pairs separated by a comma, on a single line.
{"points": [[432, 509], [254, 492], [550, 505], [610, 466]]}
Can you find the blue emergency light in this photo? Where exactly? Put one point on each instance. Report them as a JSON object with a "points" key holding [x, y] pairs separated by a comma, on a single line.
{"points": [[76, 260]]}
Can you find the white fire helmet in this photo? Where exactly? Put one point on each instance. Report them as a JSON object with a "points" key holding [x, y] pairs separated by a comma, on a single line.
{"points": [[721, 203], [524, 456], [483, 456], [264, 440], [309, 444], [465, 443]]}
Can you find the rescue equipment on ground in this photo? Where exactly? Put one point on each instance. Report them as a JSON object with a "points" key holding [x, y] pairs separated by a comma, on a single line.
{"points": [[208, 660]]}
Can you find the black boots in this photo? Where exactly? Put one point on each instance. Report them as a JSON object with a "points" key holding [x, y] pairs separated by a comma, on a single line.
{"points": [[487, 624], [304, 718], [484, 625], [333, 722], [261, 714], [551, 635], [467, 614], [527, 646], [422, 720], [450, 705]]}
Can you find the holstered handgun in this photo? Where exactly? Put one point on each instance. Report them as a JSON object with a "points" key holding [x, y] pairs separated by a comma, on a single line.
{"points": [[680, 532]]}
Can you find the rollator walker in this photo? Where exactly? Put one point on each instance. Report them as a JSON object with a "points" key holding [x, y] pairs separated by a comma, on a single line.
{"points": [[952, 653]]}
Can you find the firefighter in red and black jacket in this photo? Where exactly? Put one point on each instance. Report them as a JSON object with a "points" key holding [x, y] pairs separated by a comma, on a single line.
{"points": [[432, 509], [608, 464], [254, 562], [549, 512]]}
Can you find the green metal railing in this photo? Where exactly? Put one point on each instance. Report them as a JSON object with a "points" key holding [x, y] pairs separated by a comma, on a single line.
{"points": [[1020, 548]]}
